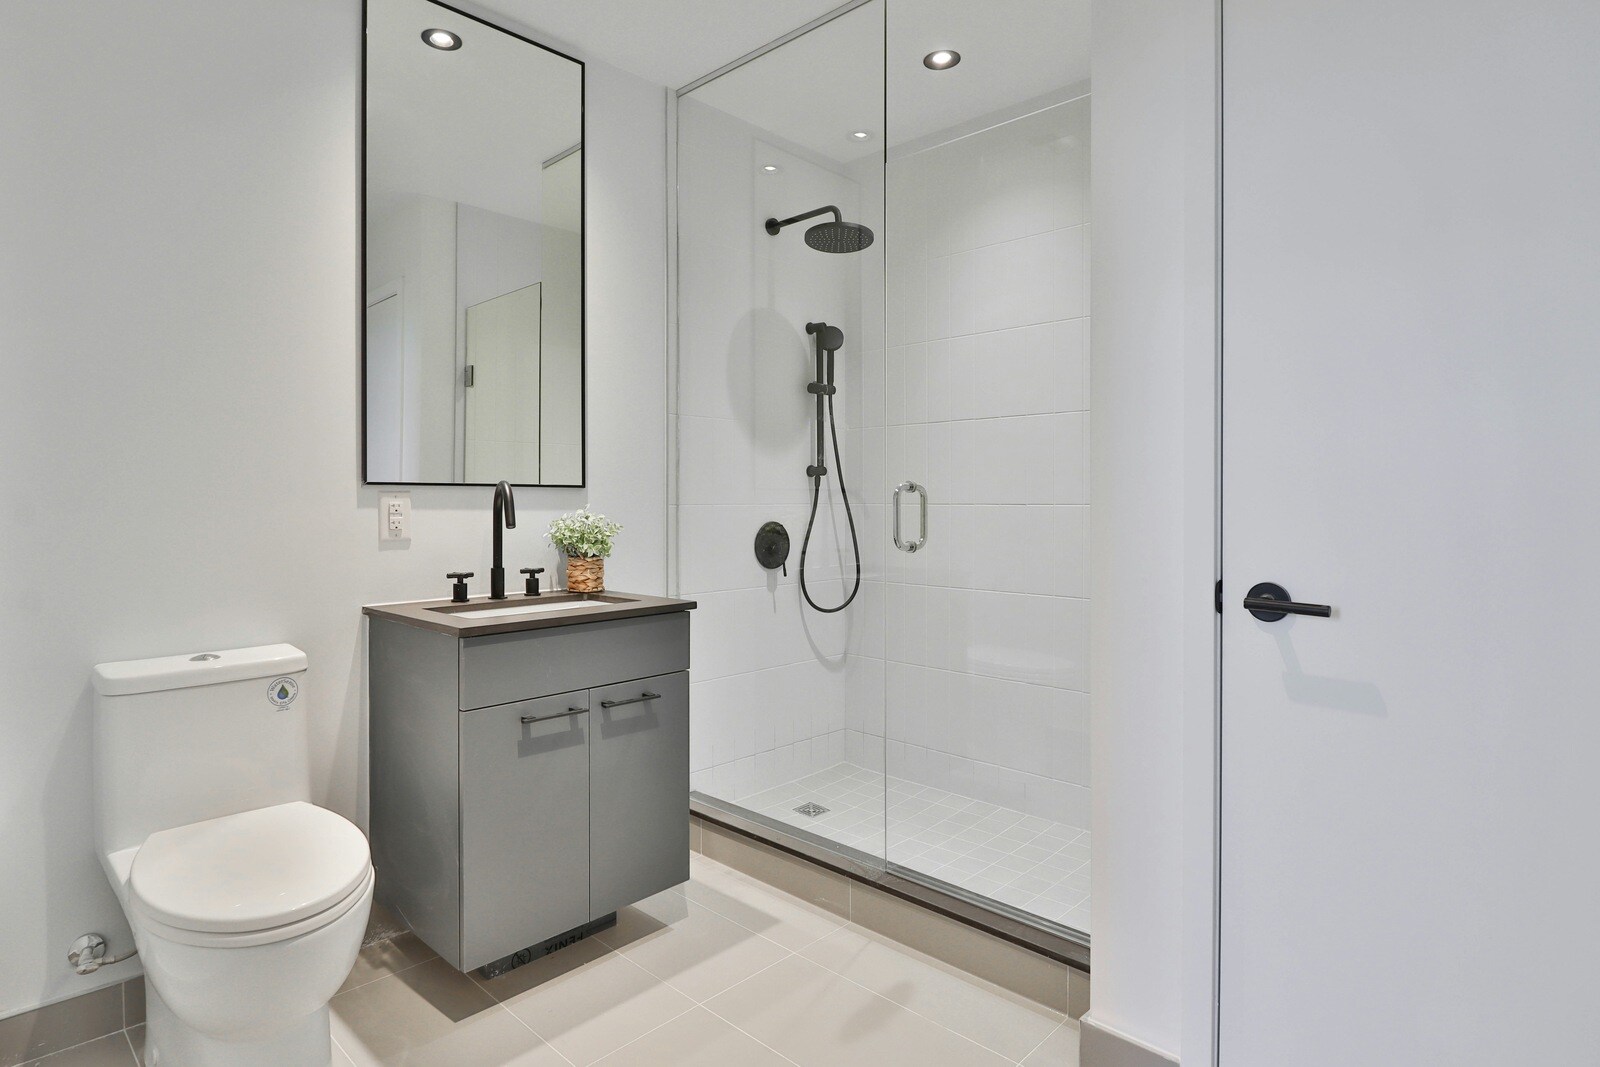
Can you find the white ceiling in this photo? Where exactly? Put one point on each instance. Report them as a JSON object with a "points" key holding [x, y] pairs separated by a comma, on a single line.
{"points": [[663, 41], [1011, 51], [814, 90]]}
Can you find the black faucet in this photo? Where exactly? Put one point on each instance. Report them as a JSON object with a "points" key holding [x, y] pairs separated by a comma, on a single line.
{"points": [[505, 517]]}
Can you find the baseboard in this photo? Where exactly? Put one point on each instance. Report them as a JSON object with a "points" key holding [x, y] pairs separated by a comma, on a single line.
{"points": [[67, 1023], [1102, 1046]]}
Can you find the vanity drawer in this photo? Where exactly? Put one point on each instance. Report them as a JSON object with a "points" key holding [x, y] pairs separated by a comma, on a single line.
{"points": [[502, 668]]}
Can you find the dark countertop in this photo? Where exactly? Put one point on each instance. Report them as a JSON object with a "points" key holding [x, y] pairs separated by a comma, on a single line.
{"points": [[617, 605]]}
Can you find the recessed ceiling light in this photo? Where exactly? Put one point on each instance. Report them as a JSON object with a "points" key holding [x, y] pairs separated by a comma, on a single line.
{"points": [[770, 168], [443, 40], [861, 135], [943, 59]]}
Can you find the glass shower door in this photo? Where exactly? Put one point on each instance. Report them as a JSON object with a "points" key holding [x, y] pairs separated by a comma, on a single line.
{"points": [[780, 167], [985, 584]]}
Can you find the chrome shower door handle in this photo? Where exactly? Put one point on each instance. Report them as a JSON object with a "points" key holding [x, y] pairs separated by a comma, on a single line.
{"points": [[922, 530]]}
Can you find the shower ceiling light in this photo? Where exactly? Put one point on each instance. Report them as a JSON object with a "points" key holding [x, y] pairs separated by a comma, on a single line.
{"points": [[443, 40], [861, 135], [943, 59], [770, 168]]}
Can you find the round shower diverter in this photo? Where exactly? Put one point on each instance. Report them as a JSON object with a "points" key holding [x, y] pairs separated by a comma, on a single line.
{"points": [[772, 547]]}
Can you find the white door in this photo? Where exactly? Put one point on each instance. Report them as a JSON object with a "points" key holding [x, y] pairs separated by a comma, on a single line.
{"points": [[1411, 420], [503, 351]]}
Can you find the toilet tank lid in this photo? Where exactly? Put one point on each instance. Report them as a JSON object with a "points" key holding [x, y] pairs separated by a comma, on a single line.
{"points": [[196, 668]]}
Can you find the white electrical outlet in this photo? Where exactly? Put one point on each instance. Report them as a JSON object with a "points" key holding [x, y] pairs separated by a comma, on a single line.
{"points": [[394, 512]]}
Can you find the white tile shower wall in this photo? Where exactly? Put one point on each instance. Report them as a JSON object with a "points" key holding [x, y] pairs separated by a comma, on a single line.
{"points": [[772, 679], [987, 404]]}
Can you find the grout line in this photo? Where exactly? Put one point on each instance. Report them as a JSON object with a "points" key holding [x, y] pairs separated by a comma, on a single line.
{"points": [[648, 1032], [127, 1036], [1043, 1042], [498, 1003], [391, 974]]}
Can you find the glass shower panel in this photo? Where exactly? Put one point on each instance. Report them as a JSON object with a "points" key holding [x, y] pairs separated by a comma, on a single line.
{"points": [[986, 624], [780, 355]]}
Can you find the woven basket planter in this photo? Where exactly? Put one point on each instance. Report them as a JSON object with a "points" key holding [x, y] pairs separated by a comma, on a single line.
{"points": [[586, 574]]}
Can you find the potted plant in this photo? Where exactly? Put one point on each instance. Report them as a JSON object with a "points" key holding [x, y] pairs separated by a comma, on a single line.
{"points": [[585, 539]]}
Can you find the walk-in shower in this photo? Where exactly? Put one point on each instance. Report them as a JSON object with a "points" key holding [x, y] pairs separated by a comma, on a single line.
{"points": [[929, 719]]}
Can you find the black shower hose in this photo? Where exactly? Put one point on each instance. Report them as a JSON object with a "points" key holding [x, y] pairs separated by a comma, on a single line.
{"points": [[816, 491]]}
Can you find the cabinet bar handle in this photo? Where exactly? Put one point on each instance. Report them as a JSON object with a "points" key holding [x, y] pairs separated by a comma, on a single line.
{"points": [[631, 700], [529, 720]]}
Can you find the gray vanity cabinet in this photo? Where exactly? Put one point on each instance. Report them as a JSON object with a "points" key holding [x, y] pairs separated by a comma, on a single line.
{"points": [[526, 785], [524, 823], [638, 808]]}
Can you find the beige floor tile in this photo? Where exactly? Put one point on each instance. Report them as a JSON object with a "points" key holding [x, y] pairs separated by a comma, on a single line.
{"points": [[773, 914], [695, 1039], [383, 958], [1060, 1049], [641, 920], [691, 948], [109, 1051], [430, 1015], [587, 1000], [815, 1016], [996, 1018]]}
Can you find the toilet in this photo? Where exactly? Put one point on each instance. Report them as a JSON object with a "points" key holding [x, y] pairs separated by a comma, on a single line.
{"points": [[247, 902]]}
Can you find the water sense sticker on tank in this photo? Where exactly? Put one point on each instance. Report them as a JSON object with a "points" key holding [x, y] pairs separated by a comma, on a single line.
{"points": [[282, 692]]}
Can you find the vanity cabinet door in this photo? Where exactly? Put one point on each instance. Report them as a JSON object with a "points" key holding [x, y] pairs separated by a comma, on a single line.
{"points": [[524, 824], [638, 795]]}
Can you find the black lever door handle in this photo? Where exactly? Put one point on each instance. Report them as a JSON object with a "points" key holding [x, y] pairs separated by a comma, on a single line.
{"points": [[1270, 602]]}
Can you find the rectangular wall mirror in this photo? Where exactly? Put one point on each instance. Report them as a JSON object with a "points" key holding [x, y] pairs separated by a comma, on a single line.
{"points": [[473, 253]]}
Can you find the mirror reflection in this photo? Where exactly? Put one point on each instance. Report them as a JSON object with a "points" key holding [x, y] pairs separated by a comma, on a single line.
{"points": [[474, 252]]}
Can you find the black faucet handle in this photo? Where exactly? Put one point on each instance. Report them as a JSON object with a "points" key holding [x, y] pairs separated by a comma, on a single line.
{"points": [[458, 592], [532, 587]]}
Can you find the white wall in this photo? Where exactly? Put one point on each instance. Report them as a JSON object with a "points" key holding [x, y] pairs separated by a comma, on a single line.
{"points": [[1153, 529], [772, 678], [179, 439], [988, 406]]}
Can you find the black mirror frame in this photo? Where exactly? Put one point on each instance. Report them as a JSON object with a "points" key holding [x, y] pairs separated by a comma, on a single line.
{"points": [[583, 259]]}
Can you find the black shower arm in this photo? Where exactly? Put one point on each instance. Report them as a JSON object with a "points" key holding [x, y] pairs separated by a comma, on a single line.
{"points": [[774, 225]]}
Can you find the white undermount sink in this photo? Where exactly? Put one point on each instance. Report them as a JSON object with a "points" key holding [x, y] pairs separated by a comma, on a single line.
{"points": [[532, 609]]}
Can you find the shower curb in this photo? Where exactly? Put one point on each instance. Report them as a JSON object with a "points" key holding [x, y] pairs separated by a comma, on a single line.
{"points": [[1036, 963]]}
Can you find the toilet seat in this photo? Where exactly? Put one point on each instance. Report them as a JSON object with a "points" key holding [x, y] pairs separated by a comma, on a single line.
{"points": [[251, 878]]}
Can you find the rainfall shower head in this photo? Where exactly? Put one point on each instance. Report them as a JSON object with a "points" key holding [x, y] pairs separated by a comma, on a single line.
{"points": [[837, 236]]}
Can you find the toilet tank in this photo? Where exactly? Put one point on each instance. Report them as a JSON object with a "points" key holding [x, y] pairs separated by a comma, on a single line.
{"points": [[196, 736]]}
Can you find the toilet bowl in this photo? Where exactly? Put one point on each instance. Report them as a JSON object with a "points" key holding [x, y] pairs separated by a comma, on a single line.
{"points": [[247, 902]]}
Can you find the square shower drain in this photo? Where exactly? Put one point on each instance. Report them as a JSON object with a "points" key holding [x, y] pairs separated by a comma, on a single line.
{"points": [[811, 809]]}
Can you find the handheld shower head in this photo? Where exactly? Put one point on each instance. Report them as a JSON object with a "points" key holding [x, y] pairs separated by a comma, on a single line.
{"points": [[829, 338], [837, 236]]}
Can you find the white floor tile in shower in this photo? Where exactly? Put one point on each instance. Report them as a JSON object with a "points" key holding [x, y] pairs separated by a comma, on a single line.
{"points": [[1034, 864]]}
